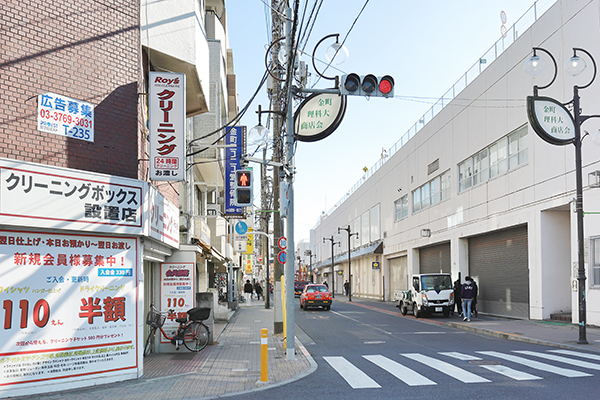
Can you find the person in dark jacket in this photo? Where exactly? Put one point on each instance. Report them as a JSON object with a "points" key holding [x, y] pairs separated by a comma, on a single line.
{"points": [[458, 297], [467, 294], [474, 304], [258, 290], [248, 289]]}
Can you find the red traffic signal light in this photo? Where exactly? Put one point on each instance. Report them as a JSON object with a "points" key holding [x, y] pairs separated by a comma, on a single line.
{"points": [[243, 178], [367, 85]]}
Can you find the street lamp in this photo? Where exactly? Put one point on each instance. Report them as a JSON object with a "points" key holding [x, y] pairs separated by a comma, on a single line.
{"points": [[347, 229], [333, 243], [310, 255], [554, 123]]}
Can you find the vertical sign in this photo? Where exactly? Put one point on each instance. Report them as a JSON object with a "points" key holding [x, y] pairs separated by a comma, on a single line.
{"points": [[235, 137], [177, 292], [69, 306], [167, 126]]}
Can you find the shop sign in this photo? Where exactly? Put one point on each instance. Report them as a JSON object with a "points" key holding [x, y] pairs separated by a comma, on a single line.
{"points": [[319, 116], [43, 196], [162, 218], [166, 104], [550, 120], [177, 292], [69, 308]]}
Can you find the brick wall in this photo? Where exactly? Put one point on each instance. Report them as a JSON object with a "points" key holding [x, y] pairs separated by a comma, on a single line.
{"points": [[81, 49]]}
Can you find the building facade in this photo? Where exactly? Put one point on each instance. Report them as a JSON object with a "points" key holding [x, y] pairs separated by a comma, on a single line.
{"points": [[87, 239], [476, 192]]}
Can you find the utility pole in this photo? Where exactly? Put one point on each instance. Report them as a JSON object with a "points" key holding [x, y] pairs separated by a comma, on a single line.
{"points": [[276, 96]]}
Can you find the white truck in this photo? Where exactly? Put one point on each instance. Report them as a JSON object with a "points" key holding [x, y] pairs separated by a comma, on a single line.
{"points": [[429, 293]]}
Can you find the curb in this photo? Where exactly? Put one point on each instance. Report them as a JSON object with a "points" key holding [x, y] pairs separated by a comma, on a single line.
{"points": [[517, 338]]}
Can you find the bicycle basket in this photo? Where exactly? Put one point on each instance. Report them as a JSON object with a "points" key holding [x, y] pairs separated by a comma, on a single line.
{"points": [[155, 319], [198, 313]]}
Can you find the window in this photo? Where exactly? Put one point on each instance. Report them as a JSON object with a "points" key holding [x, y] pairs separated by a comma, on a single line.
{"points": [[497, 159], [595, 261], [465, 169], [432, 192], [401, 206]]}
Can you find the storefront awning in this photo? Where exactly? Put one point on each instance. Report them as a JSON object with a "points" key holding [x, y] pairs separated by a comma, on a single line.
{"points": [[375, 248]]}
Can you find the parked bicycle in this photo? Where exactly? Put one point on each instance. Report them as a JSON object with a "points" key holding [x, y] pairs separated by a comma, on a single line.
{"points": [[192, 332]]}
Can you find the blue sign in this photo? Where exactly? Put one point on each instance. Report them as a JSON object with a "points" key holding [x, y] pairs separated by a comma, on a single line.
{"points": [[232, 163], [241, 227], [282, 257]]}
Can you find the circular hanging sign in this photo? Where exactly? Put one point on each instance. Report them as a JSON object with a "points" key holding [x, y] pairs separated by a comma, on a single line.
{"points": [[318, 116], [550, 120]]}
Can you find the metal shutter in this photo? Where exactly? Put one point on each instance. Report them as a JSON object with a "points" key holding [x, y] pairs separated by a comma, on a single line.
{"points": [[435, 259], [398, 274], [498, 262]]}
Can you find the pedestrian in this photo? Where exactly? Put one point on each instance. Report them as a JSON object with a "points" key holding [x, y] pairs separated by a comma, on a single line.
{"points": [[467, 294], [258, 290], [326, 285], [457, 297], [346, 287], [248, 289], [474, 305]]}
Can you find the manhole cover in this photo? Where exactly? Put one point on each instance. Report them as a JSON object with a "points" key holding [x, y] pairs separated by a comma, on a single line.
{"points": [[484, 362]]}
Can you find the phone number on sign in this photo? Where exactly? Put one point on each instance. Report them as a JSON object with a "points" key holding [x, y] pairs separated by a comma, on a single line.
{"points": [[66, 118]]}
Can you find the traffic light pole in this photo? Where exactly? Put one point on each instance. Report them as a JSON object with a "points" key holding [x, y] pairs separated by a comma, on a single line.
{"points": [[289, 145]]}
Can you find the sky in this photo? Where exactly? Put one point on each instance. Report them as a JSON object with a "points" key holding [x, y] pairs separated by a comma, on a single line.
{"points": [[425, 45]]}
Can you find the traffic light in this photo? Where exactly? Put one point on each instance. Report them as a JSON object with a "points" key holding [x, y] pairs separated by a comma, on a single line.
{"points": [[367, 85], [243, 188]]}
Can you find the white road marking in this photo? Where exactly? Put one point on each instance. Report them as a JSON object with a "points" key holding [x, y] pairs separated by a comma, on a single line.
{"points": [[578, 354], [354, 376], [460, 356], [511, 373], [401, 372], [570, 361], [446, 368], [535, 364]]}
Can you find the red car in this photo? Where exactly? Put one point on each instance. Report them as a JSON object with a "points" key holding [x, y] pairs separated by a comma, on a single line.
{"points": [[315, 295]]}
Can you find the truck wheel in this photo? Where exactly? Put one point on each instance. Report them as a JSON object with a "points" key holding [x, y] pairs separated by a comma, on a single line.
{"points": [[403, 309], [446, 312], [416, 312]]}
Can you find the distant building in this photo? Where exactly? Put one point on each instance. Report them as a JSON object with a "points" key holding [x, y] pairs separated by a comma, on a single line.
{"points": [[481, 194]]}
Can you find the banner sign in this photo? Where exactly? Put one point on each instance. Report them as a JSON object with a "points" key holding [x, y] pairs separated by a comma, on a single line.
{"points": [[178, 292], [235, 136], [162, 218], [69, 306], [167, 126], [42, 196], [65, 116]]}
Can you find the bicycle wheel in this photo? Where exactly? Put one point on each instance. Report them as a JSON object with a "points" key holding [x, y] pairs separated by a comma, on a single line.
{"points": [[149, 341], [196, 336]]}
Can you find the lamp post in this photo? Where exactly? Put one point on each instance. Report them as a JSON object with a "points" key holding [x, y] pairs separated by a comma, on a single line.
{"points": [[310, 270], [554, 123], [347, 229], [333, 243]]}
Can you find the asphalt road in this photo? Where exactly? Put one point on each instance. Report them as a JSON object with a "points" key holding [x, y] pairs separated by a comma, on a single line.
{"points": [[368, 350]]}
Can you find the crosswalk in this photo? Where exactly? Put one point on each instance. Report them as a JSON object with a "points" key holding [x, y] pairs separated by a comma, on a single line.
{"points": [[518, 365]]}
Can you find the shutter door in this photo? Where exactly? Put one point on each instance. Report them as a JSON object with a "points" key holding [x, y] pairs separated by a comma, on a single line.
{"points": [[398, 274], [435, 259], [499, 264]]}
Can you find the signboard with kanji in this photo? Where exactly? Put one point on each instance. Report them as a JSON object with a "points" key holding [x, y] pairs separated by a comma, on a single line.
{"points": [[177, 292], [166, 103], [235, 138], [65, 116], [319, 116], [69, 306], [550, 120], [43, 196]]}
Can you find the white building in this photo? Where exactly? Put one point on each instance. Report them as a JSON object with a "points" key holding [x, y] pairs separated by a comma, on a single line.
{"points": [[476, 191]]}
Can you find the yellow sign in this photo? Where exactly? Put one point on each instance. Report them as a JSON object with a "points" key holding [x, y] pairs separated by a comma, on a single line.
{"points": [[250, 242], [247, 264]]}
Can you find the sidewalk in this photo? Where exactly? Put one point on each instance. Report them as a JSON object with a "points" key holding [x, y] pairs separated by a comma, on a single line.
{"points": [[231, 366], [548, 333]]}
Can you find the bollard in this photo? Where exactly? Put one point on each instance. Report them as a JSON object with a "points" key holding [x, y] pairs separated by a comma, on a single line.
{"points": [[264, 355]]}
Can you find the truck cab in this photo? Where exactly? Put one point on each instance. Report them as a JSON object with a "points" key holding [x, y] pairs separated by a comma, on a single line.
{"points": [[429, 293]]}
